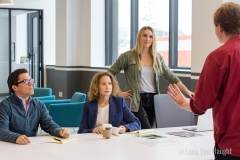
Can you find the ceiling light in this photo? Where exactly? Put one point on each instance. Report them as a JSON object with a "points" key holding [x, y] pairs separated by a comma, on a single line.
{"points": [[6, 2]]}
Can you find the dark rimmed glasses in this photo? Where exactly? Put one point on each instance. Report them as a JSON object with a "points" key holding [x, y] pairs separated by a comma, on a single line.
{"points": [[26, 81]]}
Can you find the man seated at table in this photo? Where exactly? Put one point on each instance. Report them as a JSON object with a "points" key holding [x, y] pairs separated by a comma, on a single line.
{"points": [[20, 114], [104, 107]]}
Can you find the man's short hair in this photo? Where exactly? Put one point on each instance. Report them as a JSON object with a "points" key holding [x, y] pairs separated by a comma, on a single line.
{"points": [[228, 17], [14, 77]]}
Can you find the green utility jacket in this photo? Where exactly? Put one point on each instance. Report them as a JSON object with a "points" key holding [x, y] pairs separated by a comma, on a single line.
{"points": [[132, 73]]}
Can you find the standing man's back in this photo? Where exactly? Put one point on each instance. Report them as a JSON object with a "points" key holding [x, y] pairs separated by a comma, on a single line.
{"points": [[218, 86], [220, 75]]}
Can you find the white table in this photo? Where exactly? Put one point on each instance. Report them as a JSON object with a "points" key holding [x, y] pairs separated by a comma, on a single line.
{"points": [[125, 147]]}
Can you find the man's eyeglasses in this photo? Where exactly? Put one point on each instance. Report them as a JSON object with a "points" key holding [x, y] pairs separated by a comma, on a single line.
{"points": [[26, 81]]}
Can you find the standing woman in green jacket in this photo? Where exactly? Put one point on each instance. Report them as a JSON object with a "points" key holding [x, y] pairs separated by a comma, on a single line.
{"points": [[143, 67]]}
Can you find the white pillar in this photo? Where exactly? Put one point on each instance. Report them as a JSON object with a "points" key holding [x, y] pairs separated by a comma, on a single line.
{"points": [[80, 35], [204, 39]]}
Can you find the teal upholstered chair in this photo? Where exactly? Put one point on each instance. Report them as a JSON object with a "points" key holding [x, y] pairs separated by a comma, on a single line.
{"points": [[52, 97], [44, 98], [67, 114], [39, 92], [43, 94], [77, 97]]}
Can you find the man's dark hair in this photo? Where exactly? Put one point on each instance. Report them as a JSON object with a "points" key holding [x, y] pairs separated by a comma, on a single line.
{"points": [[14, 77]]}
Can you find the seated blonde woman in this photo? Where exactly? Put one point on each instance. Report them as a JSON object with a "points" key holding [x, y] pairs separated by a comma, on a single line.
{"points": [[105, 108]]}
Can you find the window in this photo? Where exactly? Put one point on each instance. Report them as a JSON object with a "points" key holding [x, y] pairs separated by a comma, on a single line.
{"points": [[171, 20], [155, 13], [184, 32], [123, 26]]}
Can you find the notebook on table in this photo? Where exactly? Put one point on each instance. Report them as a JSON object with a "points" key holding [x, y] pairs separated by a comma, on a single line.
{"points": [[205, 123], [50, 139], [143, 132]]}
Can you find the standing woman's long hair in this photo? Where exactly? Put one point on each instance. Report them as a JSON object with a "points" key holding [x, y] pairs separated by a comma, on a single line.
{"points": [[152, 50]]}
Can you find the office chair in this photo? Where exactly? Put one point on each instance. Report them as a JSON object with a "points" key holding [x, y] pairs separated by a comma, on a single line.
{"points": [[67, 114], [77, 97], [39, 92], [168, 114], [128, 102]]}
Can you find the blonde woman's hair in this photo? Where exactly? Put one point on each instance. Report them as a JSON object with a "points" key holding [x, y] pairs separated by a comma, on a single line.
{"points": [[153, 49], [93, 93]]}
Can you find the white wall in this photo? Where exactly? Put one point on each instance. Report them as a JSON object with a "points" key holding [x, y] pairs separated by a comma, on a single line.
{"points": [[98, 33], [85, 32], [236, 1], [74, 33], [60, 32], [204, 39], [80, 35]]}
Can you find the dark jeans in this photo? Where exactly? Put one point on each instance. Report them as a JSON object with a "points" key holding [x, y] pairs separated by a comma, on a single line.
{"points": [[146, 112], [221, 155]]}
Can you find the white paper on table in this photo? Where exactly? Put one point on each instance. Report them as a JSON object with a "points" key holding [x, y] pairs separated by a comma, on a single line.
{"points": [[115, 130], [157, 142], [38, 140]]}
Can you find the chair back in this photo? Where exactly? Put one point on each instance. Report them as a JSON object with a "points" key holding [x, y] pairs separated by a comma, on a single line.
{"points": [[128, 102], [67, 114], [168, 114], [39, 92], [78, 97], [44, 98]]}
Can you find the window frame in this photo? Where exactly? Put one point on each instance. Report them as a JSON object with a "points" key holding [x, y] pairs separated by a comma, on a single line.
{"points": [[111, 31]]}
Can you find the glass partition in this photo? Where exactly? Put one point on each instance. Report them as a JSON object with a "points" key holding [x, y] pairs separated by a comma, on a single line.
{"points": [[4, 51], [20, 44]]}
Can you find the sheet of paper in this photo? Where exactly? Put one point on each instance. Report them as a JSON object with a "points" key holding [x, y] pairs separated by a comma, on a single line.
{"points": [[185, 134], [157, 142], [38, 140], [153, 136]]}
